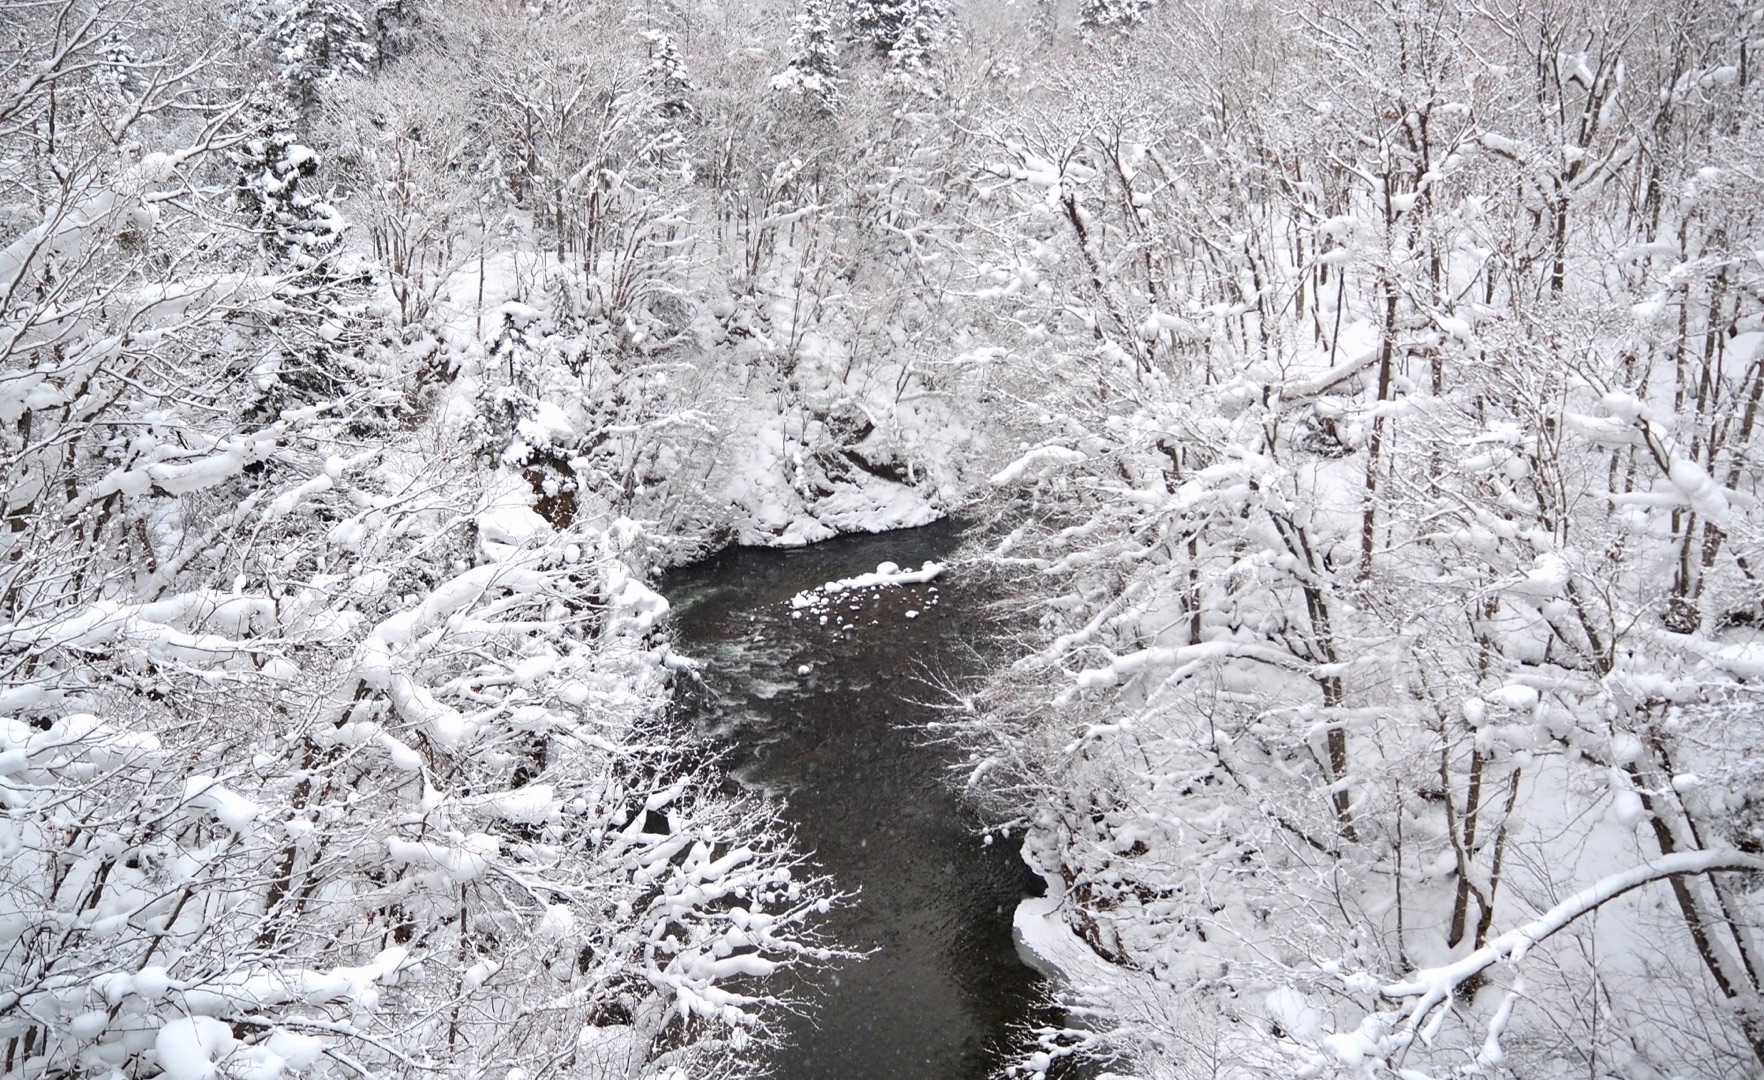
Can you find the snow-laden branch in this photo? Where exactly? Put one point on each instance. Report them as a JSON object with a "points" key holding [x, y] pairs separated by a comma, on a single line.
{"points": [[71, 224], [1182, 658], [1435, 985], [1037, 463]]}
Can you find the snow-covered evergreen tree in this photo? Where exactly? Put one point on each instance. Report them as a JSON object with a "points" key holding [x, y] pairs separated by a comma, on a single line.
{"points": [[666, 74], [316, 41], [813, 71], [907, 32], [1096, 14], [921, 27], [879, 22], [397, 26], [509, 393], [313, 353], [119, 70], [275, 189]]}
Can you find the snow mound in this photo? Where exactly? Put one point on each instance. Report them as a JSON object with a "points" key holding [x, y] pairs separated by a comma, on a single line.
{"points": [[190, 1046], [887, 574]]}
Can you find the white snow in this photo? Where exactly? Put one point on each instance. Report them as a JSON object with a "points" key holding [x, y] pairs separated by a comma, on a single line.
{"points": [[886, 575], [1037, 463], [191, 1048]]}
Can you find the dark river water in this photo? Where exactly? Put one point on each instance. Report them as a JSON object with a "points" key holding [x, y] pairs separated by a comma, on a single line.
{"points": [[943, 988]]}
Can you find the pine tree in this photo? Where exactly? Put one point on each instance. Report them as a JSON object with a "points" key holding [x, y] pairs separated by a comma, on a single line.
{"points": [[666, 74], [509, 393], [813, 71], [397, 25], [509, 400], [118, 71], [908, 32], [880, 22], [1097, 14], [316, 41], [275, 193], [871, 21], [921, 30], [300, 233]]}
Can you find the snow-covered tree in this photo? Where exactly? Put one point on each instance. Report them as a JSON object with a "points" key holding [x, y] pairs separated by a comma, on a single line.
{"points": [[275, 190], [314, 42], [874, 21], [120, 73], [397, 26], [921, 34], [1097, 14], [666, 74], [505, 430], [907, 32], [813, 70]]}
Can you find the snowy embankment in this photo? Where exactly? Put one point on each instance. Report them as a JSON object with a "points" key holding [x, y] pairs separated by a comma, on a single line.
{"points": [[781, 493], [740, 443], [1047, 943], [1109, 1006]]}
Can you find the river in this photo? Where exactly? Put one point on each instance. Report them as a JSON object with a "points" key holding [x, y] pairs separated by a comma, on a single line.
{"points": [[942, 993]]}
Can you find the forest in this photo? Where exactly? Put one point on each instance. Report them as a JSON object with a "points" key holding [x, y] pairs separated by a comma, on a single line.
{"points": [[1361, 397]]}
